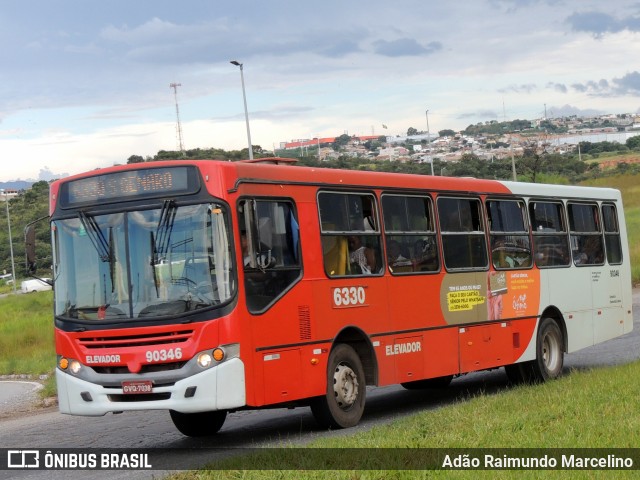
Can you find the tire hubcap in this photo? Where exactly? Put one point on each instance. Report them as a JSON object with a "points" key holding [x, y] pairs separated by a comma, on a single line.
{"points": [[345, 386], [550, 352]]}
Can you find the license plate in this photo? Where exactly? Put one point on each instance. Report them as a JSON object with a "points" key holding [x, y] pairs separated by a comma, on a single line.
{"points": [[137, 386]]}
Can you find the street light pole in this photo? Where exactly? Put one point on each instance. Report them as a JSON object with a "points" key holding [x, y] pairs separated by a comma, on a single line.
{"points": [[13, 266], [429, 142], [246, 111]]}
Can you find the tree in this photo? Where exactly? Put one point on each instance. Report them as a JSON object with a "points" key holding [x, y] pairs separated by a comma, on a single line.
{"points": [[27, 207], [633, 143], [446, 133], [341, 141], [135, 159], [372, 146], [411, 132]]}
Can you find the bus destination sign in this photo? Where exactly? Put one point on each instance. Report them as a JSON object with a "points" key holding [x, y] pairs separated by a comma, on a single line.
{"points": [[143, 183]]}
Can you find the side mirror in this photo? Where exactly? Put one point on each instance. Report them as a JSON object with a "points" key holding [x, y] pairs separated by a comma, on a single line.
{"points": [[30, 248]]}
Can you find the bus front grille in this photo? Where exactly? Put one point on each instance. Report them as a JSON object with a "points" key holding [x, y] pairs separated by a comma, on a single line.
{"points": [[159, 338], [155, 367]]}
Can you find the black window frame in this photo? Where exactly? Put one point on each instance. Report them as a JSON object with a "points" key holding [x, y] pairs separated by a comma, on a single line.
{"points": [[511, 248], [454, 232], [585, 233], [340, 223], [611, 234], [550, 244], [268, 278], [418, 247]]}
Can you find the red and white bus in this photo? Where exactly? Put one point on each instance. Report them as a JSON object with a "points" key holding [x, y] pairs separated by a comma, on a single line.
{"points": [[204, 287]]}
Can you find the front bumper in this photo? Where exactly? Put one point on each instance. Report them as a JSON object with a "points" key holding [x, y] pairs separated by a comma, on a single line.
{"points": [[221, 387]]}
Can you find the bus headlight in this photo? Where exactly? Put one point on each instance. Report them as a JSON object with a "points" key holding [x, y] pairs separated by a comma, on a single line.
{"points": [[75, 367], [204, 359], [212, 358], [69, 365]]}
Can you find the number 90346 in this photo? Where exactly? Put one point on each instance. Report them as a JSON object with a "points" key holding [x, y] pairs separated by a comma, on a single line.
{"points": [[163, 355]]}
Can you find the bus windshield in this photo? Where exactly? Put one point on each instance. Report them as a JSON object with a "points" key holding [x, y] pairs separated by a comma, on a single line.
{"points": [[148, 263]]}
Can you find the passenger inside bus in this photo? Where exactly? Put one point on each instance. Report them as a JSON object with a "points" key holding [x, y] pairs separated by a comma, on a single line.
{"points": [[591, 252], [396, 254], [425, 256], [361, 258], [501, 255]]}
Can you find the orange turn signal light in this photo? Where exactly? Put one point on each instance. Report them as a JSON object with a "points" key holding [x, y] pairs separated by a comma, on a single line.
{"points": [[218, 354]]}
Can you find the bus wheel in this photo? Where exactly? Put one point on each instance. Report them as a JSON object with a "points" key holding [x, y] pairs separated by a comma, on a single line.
{"points": [[198, 424], [438, 382], [343, 404], [549, 352]]}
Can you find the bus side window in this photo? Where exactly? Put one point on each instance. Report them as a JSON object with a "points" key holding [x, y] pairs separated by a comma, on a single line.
{"points": [[613, 245], [410, 234], [270, 242], [463, 241], [510, 245], [587, 244], [350, 234], [550, 241]]}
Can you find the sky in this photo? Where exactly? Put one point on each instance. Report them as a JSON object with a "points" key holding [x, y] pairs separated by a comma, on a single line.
{"points": [[86, 84]]}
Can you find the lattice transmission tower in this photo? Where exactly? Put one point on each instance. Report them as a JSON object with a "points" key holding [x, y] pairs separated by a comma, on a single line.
{"points": [[178, 125]]}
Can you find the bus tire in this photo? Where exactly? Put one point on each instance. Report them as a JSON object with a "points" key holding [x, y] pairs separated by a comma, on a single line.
{"points": [[200, 424], [438, 382], [549, 352], [343, 404]]}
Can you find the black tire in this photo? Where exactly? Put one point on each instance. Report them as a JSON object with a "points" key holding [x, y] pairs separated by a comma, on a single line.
{"points": [[438, 382], [199, 424], [343, 404], [549, 352]]}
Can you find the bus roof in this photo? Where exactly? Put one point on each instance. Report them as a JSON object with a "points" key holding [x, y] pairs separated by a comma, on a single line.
{"points": [[275, 169]]}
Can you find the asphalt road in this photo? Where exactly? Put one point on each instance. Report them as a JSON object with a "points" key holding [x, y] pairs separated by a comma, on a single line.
{"points": [[138, 430], [14, 394]]}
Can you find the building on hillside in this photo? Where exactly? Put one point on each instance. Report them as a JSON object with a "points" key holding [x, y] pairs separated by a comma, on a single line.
{"points": [[313, 142], [7, 194]]}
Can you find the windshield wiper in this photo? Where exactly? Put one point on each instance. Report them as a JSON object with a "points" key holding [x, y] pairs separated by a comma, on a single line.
{"points": [[161, 240], [96, 236], [103, 246], [154, 262]]}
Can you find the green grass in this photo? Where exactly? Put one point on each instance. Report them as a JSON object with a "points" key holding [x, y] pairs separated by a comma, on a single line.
{"points": [[26, 334], [26, 337], [591, 409], [6, 288]]}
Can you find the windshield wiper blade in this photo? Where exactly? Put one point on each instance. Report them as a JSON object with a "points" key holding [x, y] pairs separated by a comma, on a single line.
{"points": [[112, 260], [164, 229], [103, 246], [161, 240], [154, 262], [96, 236]]}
